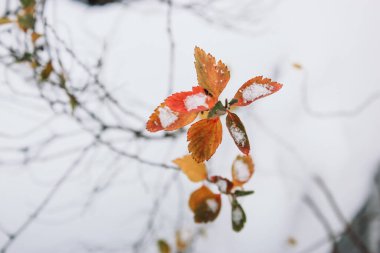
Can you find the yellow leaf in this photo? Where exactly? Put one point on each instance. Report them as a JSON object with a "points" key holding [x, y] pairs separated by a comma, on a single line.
{"points": [[212, 76], [5, 20], [47, 71], [35, 36], [205, 205], [163, 246], [196, 172], [242, 169], [297, 66], [204, 138]]}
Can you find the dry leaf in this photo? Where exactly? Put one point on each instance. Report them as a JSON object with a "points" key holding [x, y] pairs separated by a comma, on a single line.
{"points": [[196, 172], [212, 76], [204, 138], [242, 170], [255, 88], [163, 246], [190, 101], [163, 118], [205, 205], [238, 133]]}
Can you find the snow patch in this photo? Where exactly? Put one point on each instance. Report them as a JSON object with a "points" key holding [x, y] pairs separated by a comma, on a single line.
{"points": [[241, 171], [167, 116], [237, 215], [256, 90], [194, 101], [212, 205], [222, 185], [238, 135]]}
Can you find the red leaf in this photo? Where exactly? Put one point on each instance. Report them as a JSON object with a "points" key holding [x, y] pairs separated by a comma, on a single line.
{"points": [[255, 88], [165, 119], [190, 101], [238, 133]]}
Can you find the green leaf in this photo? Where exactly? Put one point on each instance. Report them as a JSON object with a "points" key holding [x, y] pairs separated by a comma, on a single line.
{"points": [[233, 101], [217, 110], [239, 193], [27, 3], [26, 21], [163, 246], [238, 216], [73, 102]]}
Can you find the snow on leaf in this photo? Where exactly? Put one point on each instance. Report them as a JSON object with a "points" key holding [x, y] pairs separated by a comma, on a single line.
{"points": [[205, 204], [163, 118], [204, 138], [242, 170], [224, 185], [190, 101], [196, 172], [212, 76], [255, 88], [238, 216], [238, 133]]}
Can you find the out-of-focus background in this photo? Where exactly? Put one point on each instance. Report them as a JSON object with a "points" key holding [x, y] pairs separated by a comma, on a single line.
{"points": [[78, 172]]}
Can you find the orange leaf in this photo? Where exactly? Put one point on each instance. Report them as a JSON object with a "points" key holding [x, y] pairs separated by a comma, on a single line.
{"points": [[242, 170], [255, 88], [204, 138], [196, 172], [205, 204], [238, 133], [35, 36], [212, 76], [190, 101], [163, 118]]}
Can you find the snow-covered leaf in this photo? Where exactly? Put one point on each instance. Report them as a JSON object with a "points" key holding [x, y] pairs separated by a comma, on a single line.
{"points": [[238, 216], [163, 118], [204, 204], [242, 170], [238, 133], [255, 88], [212, 76], [190, 101], [204, 138], [224, 185], [196, 172]]}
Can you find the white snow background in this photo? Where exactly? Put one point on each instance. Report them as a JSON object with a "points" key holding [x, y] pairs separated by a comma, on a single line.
{"points": [[305, 129]]}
